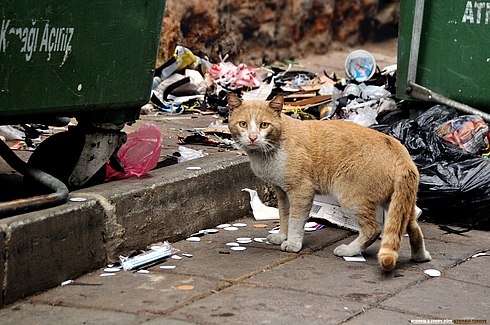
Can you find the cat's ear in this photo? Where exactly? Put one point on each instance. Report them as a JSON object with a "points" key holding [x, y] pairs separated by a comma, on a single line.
{"points": [[277, 103], [233, 101]]}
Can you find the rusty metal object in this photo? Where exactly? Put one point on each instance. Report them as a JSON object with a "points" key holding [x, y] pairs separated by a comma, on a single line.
{"points": [[59, 196]]}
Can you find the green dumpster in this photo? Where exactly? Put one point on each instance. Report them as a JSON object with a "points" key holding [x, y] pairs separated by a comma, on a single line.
{"points": [[90, 60], [444, 46]]}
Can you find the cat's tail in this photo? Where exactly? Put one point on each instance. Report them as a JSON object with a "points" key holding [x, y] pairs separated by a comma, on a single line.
{"points": [[401, 210]]}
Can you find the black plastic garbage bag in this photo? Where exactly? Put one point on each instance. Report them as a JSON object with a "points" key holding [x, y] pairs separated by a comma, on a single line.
{"points": [[454, 184]]}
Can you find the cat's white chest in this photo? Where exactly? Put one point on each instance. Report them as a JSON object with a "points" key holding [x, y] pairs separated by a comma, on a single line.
{"points": [[269, 168]]}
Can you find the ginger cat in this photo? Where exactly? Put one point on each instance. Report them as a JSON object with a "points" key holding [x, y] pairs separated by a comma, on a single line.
{"points": [[361, 167]]}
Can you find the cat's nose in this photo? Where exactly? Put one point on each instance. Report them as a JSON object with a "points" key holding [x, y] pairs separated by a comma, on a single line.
{"points": [[252, 137]]}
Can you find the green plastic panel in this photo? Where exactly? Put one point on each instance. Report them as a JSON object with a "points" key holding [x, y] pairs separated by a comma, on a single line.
{"points": [[70, 57], [454, 57]]}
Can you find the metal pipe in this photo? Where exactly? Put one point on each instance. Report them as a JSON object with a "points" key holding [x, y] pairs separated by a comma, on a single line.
{"points": [[59, 196], [415, 45], [422, 93]]}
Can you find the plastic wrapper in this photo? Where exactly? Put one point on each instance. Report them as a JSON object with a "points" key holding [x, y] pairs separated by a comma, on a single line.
{"points": [[454, 184], [148, 257], [187, 154], [139, 154], [469, 132]]}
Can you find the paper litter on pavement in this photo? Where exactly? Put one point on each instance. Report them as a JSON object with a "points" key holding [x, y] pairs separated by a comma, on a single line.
{"points": [[355, 258], [259, 209], [324, 207]]}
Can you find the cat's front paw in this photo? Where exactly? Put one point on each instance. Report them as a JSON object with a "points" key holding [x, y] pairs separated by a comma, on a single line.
{"points": [[346, 250], [276, 239], [290, 246]]}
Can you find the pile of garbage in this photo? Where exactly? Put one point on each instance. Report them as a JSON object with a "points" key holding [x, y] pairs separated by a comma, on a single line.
{"points": [[188, 83]]}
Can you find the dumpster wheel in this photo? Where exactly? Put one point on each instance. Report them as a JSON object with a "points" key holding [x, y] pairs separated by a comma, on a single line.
{"points": [[58, 155]]}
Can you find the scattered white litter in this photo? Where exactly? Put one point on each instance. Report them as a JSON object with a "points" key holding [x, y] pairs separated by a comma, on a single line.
{"points": [[176, 257], [244, 241], [67, 282], [432, 272], [223, 225], [274, 230], [238, 248], [239, 224], [232, 228], [142, 271], [312, 226], [210, 231], [112, 269], [260, 239], [187, 255], [167, 267], [193, 239], [78, 199], [356, 258], [193, 168], [107, 274], [232, 244]]}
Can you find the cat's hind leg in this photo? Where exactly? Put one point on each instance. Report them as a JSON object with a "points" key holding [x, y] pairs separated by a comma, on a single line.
{"points": [[417, 245], [368, 233], [283, 205]]}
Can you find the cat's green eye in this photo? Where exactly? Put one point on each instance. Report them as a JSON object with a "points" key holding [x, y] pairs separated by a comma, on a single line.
{"points": [[264, 125], [242, 124]]}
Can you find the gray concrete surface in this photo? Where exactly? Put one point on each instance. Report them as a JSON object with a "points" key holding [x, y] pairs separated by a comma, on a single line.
{"points": [[41, 249], [262, 285]]}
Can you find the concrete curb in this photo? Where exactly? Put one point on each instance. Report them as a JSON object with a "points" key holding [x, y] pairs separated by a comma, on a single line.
{"points": [[41, 249]]}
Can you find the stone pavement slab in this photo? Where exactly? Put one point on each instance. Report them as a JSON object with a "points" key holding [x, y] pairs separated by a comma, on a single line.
{"points": [[47, 314], [443, 298], [471, 238], [130, 292], [333, 276], [248, 304], [262, 285], [472, 271], [381, 317]]}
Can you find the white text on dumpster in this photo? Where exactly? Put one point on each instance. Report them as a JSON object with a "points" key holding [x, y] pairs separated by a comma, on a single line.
{"points": [[477, 12], [41, 38]]}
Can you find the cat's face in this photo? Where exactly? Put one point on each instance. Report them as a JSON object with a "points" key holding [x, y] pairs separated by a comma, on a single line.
{"points": [[255, 125]]}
